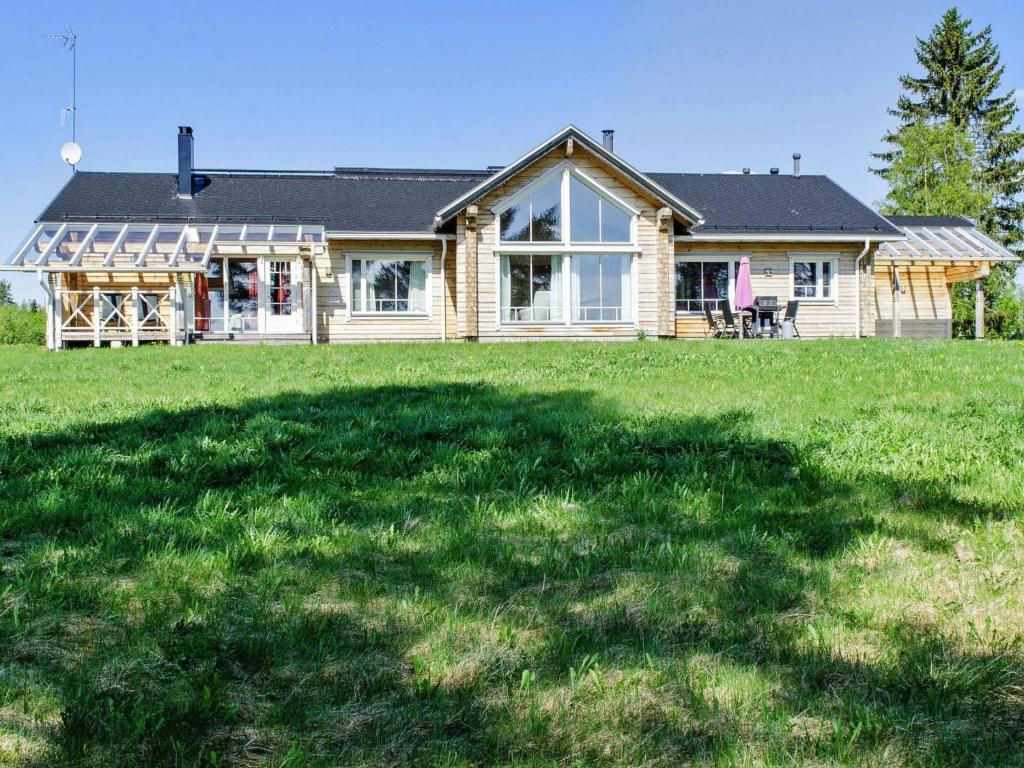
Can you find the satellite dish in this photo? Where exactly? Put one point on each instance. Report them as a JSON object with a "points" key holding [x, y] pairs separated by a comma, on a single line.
{"points": [[71, 153]]}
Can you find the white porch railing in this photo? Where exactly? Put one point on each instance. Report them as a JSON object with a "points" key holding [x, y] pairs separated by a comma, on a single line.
{"points": [[132, 315]]}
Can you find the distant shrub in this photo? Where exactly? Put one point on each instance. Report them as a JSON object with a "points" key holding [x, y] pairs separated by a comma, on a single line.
{"points": [[22, 326]]}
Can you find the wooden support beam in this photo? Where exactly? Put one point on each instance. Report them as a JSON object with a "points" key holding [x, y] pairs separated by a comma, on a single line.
{"points": [[896, 330], [173, 325], [979, 308], [134, 317], [97, 316], [58, 316]]}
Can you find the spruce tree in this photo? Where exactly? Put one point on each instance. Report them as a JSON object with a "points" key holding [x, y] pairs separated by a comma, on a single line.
{"points": [[961, 83]]}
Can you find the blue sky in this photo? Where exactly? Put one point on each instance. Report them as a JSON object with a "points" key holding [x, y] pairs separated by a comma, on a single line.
{"points": [[688, 86]]}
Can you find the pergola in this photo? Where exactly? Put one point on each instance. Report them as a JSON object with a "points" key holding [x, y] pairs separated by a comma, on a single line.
{"points": [[125, 252], [964, 251]]}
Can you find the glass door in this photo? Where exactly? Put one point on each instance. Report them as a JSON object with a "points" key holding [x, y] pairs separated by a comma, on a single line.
{"points": [[280, 298], [243, 296]]}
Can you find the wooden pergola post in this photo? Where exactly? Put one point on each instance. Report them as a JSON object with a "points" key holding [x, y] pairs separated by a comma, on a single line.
{"points": [[135, 316], [896, 331], [97, 315], [979, 308]]}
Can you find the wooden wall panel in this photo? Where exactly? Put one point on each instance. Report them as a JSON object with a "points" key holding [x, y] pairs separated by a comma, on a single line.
{"points": [[647, 268], [814, 319], [334, 321]]}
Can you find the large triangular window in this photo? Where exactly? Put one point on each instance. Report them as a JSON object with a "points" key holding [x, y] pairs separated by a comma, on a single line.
{"points": [[536, 217], [594, 218]]}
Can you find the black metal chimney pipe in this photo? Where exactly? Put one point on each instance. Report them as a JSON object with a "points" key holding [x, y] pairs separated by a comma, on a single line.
{"points": [[185, 161], [608, 139]]}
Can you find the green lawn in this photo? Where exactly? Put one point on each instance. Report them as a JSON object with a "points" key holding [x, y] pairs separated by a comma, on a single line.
{"points": [[743, 553]]}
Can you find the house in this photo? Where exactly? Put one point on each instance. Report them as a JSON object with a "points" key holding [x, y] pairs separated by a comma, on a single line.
{"points": [[569, 241]]}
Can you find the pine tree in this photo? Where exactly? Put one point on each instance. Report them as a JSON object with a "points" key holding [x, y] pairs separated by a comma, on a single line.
{"points": [[962, 77]]}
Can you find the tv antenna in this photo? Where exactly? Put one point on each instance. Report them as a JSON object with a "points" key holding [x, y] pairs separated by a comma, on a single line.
{"points": [[71, 152]]}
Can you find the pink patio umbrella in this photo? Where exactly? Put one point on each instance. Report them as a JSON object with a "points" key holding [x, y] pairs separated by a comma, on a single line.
{"points": [[744, 289]]}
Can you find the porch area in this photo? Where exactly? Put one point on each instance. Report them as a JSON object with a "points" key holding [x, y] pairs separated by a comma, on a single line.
{"points": [[119, 284], [913, 277]]}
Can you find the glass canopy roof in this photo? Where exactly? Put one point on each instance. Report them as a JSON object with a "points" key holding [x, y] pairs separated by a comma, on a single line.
{"points": [[167, 247], [938, 243]]}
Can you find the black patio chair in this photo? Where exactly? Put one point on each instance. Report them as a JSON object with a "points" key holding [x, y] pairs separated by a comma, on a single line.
{"points": [[716, 328], [791, 307], [730, 321]]}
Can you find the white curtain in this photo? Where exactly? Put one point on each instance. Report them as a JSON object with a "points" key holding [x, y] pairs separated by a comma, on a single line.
{"points": [[627, 284], [506, 290], [417, 286], [555, 299]]}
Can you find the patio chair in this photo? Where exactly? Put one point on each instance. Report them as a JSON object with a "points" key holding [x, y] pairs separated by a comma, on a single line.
{"points": [[730, 321], [716, 328], [791, 308]]}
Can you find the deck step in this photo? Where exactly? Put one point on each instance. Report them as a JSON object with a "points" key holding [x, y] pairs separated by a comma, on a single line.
{"points": [[252, 338]]}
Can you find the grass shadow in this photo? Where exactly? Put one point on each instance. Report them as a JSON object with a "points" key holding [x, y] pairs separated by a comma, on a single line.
{"points": [[461, 574]]}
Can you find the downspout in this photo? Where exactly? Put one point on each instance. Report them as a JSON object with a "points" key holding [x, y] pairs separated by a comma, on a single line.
{"points": [[444, 306], [856, 272], [51, 320], [313, 316]]}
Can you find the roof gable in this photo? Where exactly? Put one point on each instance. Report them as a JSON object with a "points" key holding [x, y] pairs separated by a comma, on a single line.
{"points": [[570, 132]]}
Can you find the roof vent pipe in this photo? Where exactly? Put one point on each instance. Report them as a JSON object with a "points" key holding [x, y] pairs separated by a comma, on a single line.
{"points": [[796, 163], [774, 171], [746, 171], [185, 161], [608, 139]]}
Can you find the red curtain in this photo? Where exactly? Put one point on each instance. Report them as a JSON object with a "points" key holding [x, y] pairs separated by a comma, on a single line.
{"points": [[282, 291], [202, 303], [254, 284]]}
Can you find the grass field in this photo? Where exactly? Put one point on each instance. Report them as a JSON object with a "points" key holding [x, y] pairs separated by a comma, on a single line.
{"points": [[533, 555]]}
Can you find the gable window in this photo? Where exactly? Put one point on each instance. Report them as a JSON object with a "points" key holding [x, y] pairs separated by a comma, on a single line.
{"points": [[536, 217], [531, 288], [397, 285], [813, 278], [594, 218], [601, 288]]}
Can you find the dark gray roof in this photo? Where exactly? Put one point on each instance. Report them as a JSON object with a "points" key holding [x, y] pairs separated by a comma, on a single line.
{"points": [[400, 200], [349, 200], [931, 221], [735, 203]]}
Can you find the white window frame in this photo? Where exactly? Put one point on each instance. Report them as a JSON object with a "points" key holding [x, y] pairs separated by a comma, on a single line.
{"points": [[732, 258], [817, 258], [532, 254], [424, 256], [566, 248], [566, 169]]}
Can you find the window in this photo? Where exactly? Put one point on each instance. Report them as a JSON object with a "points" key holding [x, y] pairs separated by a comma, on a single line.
{"points": [[280, 280], [531, 288], [112, 310], [701, 282], [243, 295], [536, 217], [147, 312], [595, 219], [389, 285], [813, 278], [601, 288]]}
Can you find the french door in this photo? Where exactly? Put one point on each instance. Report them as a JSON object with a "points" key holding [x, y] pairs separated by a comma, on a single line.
{"points": [[279, 302]]}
